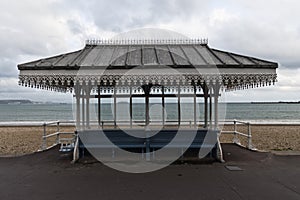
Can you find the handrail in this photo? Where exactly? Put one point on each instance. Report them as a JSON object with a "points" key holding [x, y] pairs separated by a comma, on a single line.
{"points": [[57, 134], [236, 133]]}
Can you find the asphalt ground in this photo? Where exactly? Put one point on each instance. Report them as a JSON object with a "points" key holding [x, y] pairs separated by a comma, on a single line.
{"points": [[244, 175]]}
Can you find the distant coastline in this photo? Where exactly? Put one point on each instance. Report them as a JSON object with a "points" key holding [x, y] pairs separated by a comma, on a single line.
{"points": [[279, 102], [24, 101], [16, 101]]}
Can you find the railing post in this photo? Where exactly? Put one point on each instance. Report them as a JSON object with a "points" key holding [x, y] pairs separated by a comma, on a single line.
{"points": [[58, 135], [235, 138], [76, 152], [249, 136], [44, 145]]}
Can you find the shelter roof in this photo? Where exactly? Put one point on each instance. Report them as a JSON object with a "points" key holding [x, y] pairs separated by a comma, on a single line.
{"points": [[119, 56], [114, 62]]}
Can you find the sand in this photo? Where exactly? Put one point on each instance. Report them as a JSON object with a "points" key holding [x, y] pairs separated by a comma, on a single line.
{"points": [[269, 137], [25, 140]]}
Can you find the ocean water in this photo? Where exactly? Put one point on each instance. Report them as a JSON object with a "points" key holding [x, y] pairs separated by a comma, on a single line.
{"points": [[240, 111]]}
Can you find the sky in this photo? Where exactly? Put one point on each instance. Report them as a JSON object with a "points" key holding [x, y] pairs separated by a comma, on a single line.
{"points": [[270, 30]]}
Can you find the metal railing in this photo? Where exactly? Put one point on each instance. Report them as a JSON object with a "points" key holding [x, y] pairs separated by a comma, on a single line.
{"points": [[57, 134], [237, 133], [65, 140], [141, 123]]}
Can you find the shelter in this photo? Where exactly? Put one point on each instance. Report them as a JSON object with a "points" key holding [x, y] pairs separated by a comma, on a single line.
{"points": [[148, 69]]}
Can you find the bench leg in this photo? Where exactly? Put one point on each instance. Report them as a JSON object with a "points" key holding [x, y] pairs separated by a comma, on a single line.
{"points": [[219, 152]]}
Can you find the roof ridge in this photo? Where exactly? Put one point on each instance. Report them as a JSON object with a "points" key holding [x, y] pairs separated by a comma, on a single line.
{"points": [[177, 41]]}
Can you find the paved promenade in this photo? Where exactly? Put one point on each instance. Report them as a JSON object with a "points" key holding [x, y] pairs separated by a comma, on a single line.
{"points": [[245, 175]]}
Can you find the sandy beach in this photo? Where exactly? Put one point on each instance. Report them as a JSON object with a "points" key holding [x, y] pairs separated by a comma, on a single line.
{"points": [[25, 140]]}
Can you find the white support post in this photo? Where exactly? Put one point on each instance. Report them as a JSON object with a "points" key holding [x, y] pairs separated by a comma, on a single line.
{"points": [[249, 136], [88, 93], [235, 138], [83, 109], [163, 105], [210, 108], [205, 93], [130, 107], [58, 135], [77, 96], [195, 106], [216, 102], [99, 106], [178, 106], [115, 107], [44, 145]]}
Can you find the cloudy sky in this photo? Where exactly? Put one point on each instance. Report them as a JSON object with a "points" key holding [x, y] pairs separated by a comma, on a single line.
{"points": [[31, 29]]}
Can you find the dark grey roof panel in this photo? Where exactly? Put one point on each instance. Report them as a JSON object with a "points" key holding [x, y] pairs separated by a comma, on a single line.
{"points": [[207, 56], [225, 58], [81, 54], [261, 62], [193, 56], [243, 59], [50, 62], [90, 58], [247, 60], [164, 56], [134, 56], [178, 55], [149, 56], [212, 57], [105, 56], [119, 56], [67, 59]]}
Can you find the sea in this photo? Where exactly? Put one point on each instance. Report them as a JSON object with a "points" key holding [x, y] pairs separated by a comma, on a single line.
{"points": [[248, 112]]}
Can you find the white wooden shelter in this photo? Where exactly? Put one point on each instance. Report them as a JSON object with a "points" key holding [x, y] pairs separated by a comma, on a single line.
{"points": [[159, 68]]}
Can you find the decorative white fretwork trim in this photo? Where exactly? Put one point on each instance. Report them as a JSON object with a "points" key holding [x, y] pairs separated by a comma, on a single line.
{"points": [[64, 83], [147, 41]]}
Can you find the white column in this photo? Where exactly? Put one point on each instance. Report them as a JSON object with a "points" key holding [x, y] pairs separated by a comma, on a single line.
{"points": [[83, 107], [88, 93], [99, 106], [216, 97], [195, 106], [77, 96], [115, 107], [205, 93], [178, 105], [163, 104], [210, 106], [130, 107]]}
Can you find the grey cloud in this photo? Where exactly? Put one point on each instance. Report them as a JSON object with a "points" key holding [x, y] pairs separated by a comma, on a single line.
{"points": [[74, 26], [7, 68], [34, 29], [270, 33], [121, 15]]}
